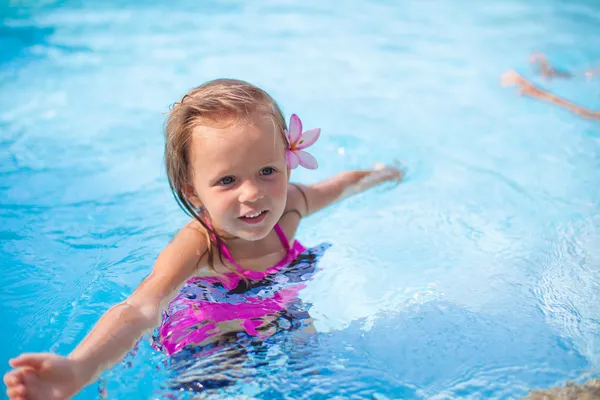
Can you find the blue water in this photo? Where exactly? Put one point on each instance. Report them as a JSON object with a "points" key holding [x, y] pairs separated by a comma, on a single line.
{"points": [[477, 277]]}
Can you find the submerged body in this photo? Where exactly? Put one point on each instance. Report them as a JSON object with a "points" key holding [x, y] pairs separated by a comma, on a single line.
{"points": [[252, 301]]}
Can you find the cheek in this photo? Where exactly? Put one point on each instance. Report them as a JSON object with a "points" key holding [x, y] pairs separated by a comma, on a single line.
{"points": [[219, 203], [278, 189]]}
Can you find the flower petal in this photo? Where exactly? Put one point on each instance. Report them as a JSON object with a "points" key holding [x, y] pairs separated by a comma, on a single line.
{"points": [[292, 159], [295, 129], [308, 138], [287, 138], [307, 160]]}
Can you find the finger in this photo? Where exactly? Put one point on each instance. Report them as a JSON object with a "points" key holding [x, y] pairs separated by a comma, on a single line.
{"points": [[16, 392], [11, 378], [33, 360], [17, 375]]}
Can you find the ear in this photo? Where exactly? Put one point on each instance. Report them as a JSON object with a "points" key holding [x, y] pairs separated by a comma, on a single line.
{"points": [[289, 173], [190, 193]]}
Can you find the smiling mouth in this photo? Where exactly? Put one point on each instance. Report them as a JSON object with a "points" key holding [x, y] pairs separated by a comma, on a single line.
{"points": [[254, 217]]}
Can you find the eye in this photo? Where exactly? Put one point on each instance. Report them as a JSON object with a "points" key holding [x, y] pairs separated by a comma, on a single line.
{"points": [[228, 180], [267, 171]]}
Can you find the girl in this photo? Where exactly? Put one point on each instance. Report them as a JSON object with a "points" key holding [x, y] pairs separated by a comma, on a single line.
{"points": [[228, 157]]}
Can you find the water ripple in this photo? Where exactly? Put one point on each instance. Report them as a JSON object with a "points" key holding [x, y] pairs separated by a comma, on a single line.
{"points": [[477, 277]]}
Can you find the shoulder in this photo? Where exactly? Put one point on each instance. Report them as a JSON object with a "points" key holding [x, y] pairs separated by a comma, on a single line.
{"points": [[191, 239], [297, 201], [188, 249], [295, 210], [179, 261], [192, 243]]}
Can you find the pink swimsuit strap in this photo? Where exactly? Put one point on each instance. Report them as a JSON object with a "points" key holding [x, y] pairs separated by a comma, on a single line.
{"points": [[291, 254]]}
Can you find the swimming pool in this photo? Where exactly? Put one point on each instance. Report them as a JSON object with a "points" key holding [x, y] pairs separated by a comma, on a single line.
{"points": [[477, 277]]}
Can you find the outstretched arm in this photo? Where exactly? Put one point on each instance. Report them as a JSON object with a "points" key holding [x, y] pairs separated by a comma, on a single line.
{"points": [[512, 78], [313, 198], [50, 376]]}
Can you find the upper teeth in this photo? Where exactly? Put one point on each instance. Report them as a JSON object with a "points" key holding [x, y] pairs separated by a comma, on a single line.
{"points": [[254, 215]]}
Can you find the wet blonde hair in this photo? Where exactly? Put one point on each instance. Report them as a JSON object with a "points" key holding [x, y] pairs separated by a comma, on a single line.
{"points": [[219, 103]]}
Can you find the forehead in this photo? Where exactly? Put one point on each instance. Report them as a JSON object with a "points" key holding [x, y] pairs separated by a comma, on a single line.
{"points": [[239, 144]]}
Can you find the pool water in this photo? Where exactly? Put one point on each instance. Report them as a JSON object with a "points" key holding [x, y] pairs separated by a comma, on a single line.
{"points": [[479, 276]]}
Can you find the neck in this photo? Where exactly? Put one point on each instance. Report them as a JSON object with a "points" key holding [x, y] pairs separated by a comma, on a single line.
{"points": [[241, 249]]}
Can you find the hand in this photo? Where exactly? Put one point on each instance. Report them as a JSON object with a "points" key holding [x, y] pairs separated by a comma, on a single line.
{"points": [[379, 174], [544, 67], [512, 78], [538, 58], [44, 376], [365, 179], [386, 173]]}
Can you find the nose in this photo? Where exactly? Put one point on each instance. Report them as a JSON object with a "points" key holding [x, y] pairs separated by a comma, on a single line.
{"points": [[250, 192]]}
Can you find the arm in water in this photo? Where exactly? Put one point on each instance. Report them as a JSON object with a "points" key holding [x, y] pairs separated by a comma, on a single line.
{"points": [[313, 198], [512, 78], [50, 376]]}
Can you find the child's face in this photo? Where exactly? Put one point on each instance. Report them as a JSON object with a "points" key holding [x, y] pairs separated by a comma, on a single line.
{"points": [[240, 176]]}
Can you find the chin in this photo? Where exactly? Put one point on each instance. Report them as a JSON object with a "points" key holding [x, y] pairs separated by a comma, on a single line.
{"points": [[253, 234]]}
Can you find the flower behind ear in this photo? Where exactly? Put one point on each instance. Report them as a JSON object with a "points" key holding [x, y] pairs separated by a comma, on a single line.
{"points": [[297, 142]]}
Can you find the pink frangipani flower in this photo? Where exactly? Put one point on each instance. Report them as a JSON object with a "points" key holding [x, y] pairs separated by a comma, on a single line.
{"points": [[297, 142]]}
